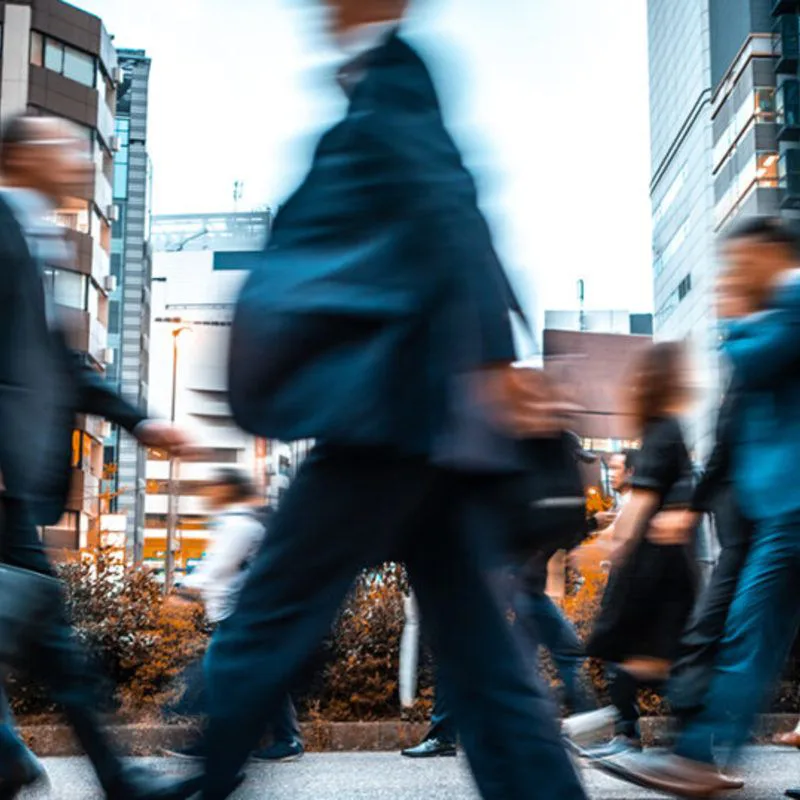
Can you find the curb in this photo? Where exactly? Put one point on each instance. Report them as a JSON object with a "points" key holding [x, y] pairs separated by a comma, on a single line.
{"points": [[147, 739]]}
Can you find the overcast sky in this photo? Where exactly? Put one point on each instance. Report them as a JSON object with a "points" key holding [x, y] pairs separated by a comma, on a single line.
{"points": [[548, 99]]}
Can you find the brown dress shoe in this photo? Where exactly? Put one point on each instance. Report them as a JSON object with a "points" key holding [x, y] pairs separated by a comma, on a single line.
{"points": [[791, 739]]}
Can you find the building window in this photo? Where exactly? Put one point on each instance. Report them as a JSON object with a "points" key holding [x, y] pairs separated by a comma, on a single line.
{"points": [[765, 105], [37, 49], [670, 196], [65, 60], [767, 169], [54, 55], [684, 287], [66, 288], [79, 66]]}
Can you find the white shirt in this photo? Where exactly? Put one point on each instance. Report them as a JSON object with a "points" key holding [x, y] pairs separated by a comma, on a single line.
{"points": [[236, 535], [355, 44]]}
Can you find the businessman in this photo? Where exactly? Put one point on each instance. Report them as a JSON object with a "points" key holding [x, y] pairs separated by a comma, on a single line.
{"points": [[378, 325]]}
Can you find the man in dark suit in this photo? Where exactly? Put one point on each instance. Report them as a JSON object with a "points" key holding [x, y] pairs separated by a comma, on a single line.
{"points": [[43, 385], [714, 494], [379, 326]]}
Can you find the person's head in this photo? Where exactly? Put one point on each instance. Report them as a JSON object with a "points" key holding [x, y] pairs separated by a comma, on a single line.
{"points": [[345, 15], [229, 487], [756, 252], [620, 470], [660, 384], [46, 154]]}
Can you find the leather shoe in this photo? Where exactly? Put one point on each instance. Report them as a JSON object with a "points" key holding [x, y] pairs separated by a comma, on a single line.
{"points": [[431, 748], [793, 793], [791, 739]]}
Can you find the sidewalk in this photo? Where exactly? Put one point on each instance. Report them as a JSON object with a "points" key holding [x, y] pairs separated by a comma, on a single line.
{"points": [[148, 739]]}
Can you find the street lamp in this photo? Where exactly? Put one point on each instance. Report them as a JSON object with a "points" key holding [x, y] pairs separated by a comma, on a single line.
{"points": [[172, 495]]}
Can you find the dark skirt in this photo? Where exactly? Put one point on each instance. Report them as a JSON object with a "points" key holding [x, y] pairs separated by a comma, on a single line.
{"points": [[646, 605]]}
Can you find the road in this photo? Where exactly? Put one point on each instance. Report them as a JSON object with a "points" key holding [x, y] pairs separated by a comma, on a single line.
{"points": [[387, 776]]}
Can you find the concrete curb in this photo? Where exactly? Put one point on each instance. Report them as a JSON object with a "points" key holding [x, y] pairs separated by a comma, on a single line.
{"points": [[149, 739]]}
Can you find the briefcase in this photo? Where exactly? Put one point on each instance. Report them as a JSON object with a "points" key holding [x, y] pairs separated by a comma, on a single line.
{"points": [[29, 604]]}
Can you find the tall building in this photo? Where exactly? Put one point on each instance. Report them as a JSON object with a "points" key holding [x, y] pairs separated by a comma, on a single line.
{"points": [[129, 302], [721, 99], [199, 263], [60, 61]]}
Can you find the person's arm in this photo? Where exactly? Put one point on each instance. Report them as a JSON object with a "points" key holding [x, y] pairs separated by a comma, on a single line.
{"points": [[629, 527], [764, 347], [96, 397]]}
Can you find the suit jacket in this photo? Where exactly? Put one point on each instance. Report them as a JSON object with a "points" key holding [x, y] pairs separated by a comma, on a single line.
{"points": [[43, 385], [764, 349], [380, 289]]}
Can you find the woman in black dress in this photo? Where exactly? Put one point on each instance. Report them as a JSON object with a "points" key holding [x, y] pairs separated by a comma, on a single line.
{"points": [[652, 585]]}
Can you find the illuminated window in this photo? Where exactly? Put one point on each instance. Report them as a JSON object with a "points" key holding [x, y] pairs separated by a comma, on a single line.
{"points": [[37, 49]]}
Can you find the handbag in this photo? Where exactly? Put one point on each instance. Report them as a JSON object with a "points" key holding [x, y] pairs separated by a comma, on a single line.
{"points": [[547, 499], [29, 603]]}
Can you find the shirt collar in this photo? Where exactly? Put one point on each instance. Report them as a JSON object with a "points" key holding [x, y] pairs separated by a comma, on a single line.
{"points": [[359, 41]]}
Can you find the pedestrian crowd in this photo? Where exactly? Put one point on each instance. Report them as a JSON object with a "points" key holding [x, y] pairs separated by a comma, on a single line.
{"points": [[379, 324]]}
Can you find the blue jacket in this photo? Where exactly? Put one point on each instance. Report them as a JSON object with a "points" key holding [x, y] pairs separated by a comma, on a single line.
{"points": [[379, 290], [764, 349]]}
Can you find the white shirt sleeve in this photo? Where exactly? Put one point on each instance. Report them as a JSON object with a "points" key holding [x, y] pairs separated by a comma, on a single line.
{"points": [[236, 537]]}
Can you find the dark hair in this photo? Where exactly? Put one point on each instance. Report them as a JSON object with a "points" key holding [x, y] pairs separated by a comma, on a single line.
{"points": [[630, 459], [240, 484], [767, 229], [656, 382]]}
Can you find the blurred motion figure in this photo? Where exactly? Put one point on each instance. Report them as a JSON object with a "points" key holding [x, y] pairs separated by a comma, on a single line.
{"points": [[43, 385], [378, 325]]}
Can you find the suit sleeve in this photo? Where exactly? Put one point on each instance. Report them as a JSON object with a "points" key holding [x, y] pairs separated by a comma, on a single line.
{"points": [[765, 347], [97, 398]]}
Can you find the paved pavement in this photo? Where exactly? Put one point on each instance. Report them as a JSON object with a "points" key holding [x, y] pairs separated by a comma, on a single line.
{"points": [[384, 776]]}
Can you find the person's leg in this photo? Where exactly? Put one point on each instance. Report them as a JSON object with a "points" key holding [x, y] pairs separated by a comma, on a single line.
{"points": [[56, 658], [761, 627], [506, 721], [541, 615], [443, 727], [285, 727], [692, 672], [340, 514]]}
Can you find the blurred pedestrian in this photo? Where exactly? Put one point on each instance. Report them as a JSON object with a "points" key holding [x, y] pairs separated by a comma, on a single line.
{"points": [[760, 312], [714, 493], [43, 386], [651, 587], [238, 528], [379, 326]]}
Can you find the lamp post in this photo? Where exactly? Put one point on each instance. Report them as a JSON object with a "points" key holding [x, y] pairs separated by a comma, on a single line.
{"points": [[172, 495]]}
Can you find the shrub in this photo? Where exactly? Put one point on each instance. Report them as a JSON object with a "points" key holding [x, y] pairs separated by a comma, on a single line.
{"points": [[139, 645]]}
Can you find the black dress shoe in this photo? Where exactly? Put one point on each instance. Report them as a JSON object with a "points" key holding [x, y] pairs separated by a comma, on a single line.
{"points": [[793, 793], [431, 748]]}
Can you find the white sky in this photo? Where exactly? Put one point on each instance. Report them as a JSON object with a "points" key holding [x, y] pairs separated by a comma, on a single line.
{"points": [[548, 99]]}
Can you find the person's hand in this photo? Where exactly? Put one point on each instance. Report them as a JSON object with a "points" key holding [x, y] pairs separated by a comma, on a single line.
{"points": [[526, 402], [163, 436], [605, 519], [672, 528]]}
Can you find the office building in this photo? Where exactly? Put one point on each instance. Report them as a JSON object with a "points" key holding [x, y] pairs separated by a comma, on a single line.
{"points": [[129, 302], [725, 111], [199, 264], [58, 60]]}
